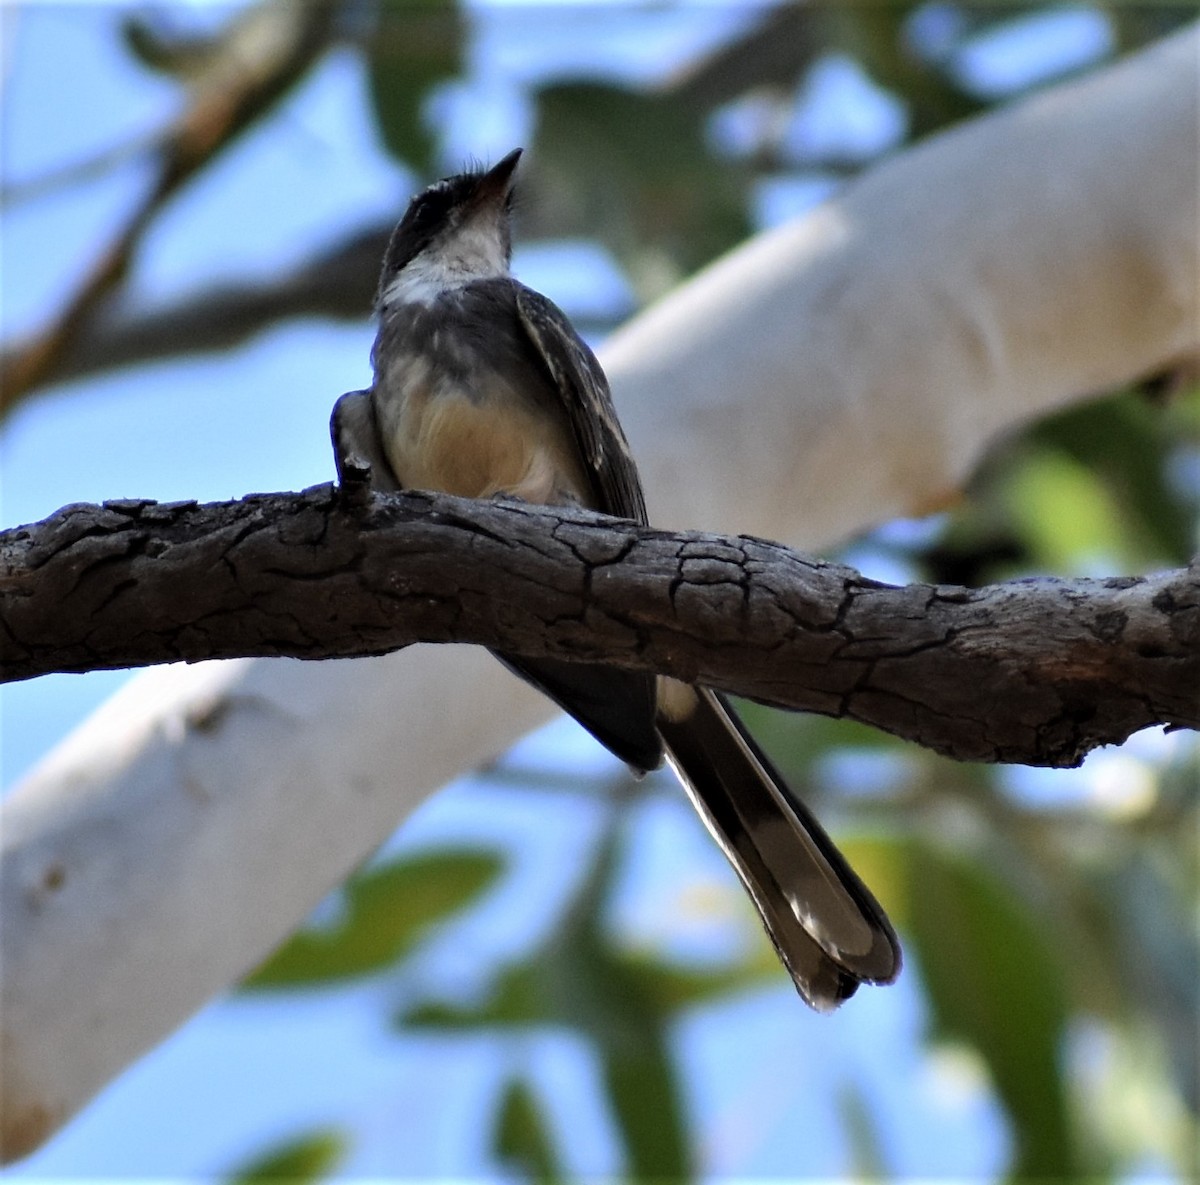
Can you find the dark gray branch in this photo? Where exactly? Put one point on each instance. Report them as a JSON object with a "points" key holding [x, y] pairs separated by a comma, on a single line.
{"points": [[338, 283], [1036, 671]]}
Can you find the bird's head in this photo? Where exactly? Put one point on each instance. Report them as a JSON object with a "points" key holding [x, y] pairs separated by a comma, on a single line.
{"points": [[452, 233]]}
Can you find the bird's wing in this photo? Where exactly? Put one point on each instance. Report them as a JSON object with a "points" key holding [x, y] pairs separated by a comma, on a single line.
{"points": [[585, 397], [357, 450], [615, 706]]}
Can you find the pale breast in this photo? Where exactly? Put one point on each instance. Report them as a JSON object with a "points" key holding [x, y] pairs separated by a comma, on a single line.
{"points": [[476, 443]]}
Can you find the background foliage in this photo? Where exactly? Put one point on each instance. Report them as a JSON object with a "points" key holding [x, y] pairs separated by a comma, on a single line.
{"points": [[1048, 919]]}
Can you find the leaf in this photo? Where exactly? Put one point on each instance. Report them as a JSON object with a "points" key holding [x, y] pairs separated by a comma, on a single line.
{"points": [[1124, 441], [1157, 959], [862, 1133], [995, 983], [311, 1157], [620, 1006], [632, 169], [388, 910], [878, 37], [1063, 509], [781, 731], [417, 44], [521, 1141]]}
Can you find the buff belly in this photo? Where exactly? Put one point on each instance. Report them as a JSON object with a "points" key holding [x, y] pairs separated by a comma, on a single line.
{"points": [[477, 445]]}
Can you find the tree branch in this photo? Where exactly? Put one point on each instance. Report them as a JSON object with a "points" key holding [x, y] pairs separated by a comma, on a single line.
{"points": [[263, 52], [1035, 671], [337, 282]]}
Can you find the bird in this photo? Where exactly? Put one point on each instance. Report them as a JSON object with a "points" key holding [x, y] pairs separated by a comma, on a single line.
{"points": [[483, 389]]}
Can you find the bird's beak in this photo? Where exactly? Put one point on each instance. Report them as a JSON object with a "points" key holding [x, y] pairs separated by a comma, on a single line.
{"points": [[497, 181]]}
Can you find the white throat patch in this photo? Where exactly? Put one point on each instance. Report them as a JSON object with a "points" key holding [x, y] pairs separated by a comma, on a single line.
{"points": [[471, 252]]}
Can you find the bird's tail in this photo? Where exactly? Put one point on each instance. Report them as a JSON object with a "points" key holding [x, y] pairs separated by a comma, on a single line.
{"points": [[829, 930]]}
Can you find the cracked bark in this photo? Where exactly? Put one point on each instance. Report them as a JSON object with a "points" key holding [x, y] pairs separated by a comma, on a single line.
{"points": [[1036, 671]]}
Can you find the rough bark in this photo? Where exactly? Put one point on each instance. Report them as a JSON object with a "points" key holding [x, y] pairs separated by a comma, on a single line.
{"points": [[1035, 671]]}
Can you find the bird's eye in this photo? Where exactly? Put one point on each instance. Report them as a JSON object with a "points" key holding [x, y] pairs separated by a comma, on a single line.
{"points": [[422, 214], [427, 211]]}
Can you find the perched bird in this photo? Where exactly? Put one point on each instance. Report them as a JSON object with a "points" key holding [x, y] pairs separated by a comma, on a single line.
{"points": [[482, 388]]}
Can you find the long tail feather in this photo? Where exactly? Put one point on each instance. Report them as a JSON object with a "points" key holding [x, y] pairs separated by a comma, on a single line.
{"points": [[829, 930]]}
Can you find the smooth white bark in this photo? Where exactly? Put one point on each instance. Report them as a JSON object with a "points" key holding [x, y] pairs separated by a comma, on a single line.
{"points": [[851, 366], [837, 372]]}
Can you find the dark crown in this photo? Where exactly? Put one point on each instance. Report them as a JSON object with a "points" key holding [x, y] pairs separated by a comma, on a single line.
{"points": [[443, 206]]}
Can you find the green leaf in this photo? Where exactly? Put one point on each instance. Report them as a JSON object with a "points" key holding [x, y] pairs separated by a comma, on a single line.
{"points": [[632, 169], [994, 983], [577, 981], [1092, 481], [311, 1157], [1124, 441], [417, 44], [1149, 920], [877, 36], [1064, 510], [388, 909], [518, 999], [866, 1146], [521, 1141], [643, 1087]]}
